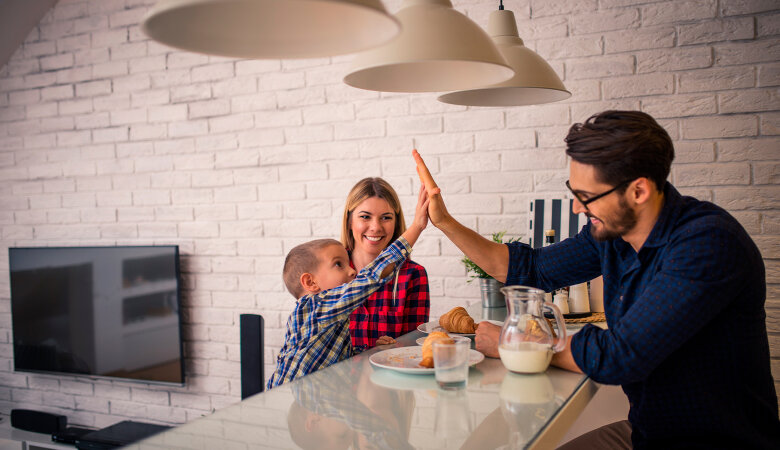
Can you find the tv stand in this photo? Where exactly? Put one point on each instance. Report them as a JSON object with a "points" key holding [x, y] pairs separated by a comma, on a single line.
{"points": [[16, 439]]}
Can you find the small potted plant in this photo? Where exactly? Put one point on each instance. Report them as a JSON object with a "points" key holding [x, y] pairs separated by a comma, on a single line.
{"points": [[490, 288]]}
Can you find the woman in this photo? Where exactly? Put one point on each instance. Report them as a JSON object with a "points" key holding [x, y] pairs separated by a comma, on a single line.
{"points": [[372, 220]]}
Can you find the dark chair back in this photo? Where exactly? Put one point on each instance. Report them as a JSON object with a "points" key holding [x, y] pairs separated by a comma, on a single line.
{"points": [[252, 378]]}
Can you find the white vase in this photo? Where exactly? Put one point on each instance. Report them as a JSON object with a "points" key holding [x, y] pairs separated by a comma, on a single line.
{"points": [[597, 295]]}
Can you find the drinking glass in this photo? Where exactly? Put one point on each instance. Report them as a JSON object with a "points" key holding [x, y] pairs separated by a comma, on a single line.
{"points": [[451, 364]]}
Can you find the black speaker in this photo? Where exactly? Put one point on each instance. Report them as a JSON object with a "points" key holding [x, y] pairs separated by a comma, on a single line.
{"points": [[37, 421], [252, 379]]}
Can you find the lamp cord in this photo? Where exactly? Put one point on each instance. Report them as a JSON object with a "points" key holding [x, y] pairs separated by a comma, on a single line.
{"points": [[500, 5]]}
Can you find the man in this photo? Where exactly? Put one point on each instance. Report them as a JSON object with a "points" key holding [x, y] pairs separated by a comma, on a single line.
{"points": [[684, 292]]}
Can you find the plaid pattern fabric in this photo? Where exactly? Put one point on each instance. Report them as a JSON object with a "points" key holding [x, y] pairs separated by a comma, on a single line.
{"points": [[687, 338], [318, 328], [395, 309]]}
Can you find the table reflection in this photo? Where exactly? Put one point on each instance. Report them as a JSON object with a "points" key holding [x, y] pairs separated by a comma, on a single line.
{"points": [[335, 412], [527, 403], [353, 404], [453, 416]]}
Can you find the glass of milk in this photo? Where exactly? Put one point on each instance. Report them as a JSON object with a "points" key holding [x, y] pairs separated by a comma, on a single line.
{"points": [[525, 357]]}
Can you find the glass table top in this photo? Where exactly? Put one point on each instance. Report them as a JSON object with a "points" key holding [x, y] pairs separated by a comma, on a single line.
{"points": [[353, 404]]}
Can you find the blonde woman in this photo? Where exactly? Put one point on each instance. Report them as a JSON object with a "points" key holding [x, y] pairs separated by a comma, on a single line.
{"points": [[372, 220]]}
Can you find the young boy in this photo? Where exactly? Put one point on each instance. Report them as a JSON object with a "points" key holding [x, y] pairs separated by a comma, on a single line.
{"points": [[318, 274]]}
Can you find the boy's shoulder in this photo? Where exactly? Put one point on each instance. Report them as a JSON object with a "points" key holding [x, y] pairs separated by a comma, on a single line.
{"points": [[303, 305], [304, 299]]}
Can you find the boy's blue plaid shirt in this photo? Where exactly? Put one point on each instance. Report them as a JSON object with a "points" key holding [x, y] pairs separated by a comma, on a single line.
{"points": [[318, 328]]}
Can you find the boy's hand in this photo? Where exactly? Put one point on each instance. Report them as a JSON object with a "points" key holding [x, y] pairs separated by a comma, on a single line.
{"points": [[421, 210], [385, 340]]}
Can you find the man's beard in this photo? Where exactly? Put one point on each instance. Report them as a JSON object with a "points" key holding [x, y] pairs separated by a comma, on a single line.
{"points": [[620, 223]]}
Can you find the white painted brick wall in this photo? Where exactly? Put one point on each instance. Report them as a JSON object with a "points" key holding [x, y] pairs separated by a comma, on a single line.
{"points": [[109, 138]]}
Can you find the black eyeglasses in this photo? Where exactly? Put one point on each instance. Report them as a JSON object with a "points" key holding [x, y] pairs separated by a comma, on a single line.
{"points": [[595, 197]]}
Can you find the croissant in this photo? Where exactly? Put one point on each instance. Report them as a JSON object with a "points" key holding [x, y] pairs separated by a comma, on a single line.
{"points": [[427, 347], [533, 329], [457, 320]]}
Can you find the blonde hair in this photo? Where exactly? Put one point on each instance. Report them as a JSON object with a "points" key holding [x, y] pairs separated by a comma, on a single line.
{"points": [[364, 189], [303, 258]]}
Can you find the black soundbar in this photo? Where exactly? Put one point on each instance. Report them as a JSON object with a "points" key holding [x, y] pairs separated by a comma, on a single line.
{"points": [[38, 421], [70, 435]]}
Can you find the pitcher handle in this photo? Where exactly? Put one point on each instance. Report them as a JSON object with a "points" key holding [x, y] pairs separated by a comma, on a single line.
{"points": [[561, 344]]}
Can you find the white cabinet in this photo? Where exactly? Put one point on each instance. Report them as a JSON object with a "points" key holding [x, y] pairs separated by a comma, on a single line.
{"points": [[7, 444], [15, 439], [47, 446]]}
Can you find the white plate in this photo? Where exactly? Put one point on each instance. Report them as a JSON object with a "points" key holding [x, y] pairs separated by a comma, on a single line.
{"points": [[433, 325], [405, 382], [402, 381], [407, 359]]}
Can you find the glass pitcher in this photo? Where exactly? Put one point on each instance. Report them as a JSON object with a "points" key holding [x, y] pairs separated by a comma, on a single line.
{"points": [[527, 342]]}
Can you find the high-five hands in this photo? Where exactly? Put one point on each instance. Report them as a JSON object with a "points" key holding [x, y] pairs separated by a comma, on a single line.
{"points": [[436, 209], [425, 175]]}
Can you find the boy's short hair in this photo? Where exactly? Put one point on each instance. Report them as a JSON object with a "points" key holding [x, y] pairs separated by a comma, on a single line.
{"points": [[303, 258]]}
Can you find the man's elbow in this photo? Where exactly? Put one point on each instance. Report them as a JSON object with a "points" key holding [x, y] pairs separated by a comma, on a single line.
{"points": [[499, 277], [498, 272]]}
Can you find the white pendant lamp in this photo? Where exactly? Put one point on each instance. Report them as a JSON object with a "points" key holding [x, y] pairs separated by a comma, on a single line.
{"points": [[534, 83], [273, 29], [439, 49]]}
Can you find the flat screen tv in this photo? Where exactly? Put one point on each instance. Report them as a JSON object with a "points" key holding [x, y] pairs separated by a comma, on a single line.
{"points": [[98, 311]]}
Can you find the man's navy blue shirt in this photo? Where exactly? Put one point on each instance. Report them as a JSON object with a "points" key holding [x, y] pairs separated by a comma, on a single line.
{"points": [[687, 337]]}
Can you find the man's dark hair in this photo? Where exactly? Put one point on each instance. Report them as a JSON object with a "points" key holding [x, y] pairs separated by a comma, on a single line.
{"points": [[622, 145]]}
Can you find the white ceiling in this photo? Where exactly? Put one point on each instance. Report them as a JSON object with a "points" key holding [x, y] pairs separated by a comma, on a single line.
{"points": [[17, 18]]}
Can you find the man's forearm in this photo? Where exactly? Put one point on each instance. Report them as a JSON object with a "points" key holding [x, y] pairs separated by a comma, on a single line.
{"points": [[564, 358], [491, 256]]}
